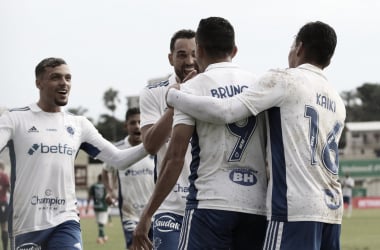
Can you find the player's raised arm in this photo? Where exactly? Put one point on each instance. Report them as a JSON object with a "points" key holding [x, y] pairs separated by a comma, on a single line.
{"points": [[206, 108]]}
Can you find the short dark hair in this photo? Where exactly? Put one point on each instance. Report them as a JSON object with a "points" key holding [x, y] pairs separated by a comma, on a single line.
{"points": [[188, 34], [132, 111], [319, 41], [217, 36], [48, 62]]}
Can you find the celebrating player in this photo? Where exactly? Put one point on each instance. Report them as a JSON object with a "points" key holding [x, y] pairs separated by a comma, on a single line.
{"points": [[43, 142], [305, 121]]}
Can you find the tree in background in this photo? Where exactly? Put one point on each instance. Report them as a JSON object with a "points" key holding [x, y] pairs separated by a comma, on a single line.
{"points": [[111, 99], [79, 111], [362, 104]]}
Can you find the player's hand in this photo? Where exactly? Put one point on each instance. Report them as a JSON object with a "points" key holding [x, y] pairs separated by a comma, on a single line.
{"points": [[140, 235], [110, 200], [190, 75], [174, 86]]}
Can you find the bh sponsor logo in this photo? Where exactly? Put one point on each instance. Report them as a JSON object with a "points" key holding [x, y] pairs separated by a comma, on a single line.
{"points": [[332, 199], [166, 223], [243, 176], [29, 246], [52, 149]]}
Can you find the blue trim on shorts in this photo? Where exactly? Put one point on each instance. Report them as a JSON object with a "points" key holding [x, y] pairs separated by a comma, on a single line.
{"points": [[64, 236], [301, 235]]}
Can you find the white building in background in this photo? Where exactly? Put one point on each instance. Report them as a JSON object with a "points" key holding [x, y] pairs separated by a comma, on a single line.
{"points": [[362, 140], [361, 156]]}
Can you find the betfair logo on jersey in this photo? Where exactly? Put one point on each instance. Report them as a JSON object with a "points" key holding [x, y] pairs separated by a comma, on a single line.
{"points": [[243, 176], [53, 149], [133, 172], [166, 223]]}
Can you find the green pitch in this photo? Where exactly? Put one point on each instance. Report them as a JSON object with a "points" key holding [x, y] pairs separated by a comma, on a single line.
{"points": [[360, 232]]}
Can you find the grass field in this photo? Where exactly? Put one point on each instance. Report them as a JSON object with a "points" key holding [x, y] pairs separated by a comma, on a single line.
{"points": [[360, 232]]}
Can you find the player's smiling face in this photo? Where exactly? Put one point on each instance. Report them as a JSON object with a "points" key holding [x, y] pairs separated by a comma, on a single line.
{"points": [[182, 58], [54, 87], [132, 126]]}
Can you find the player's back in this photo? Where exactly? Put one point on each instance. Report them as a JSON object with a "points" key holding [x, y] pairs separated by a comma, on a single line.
{"points": [[305, 127], [228, 167]]}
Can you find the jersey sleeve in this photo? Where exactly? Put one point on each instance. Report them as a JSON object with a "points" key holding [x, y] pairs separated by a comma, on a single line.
{"points": [[207, 108], [96, 146], [179, 116], [269, 91], [6, 129], [149, 107]]}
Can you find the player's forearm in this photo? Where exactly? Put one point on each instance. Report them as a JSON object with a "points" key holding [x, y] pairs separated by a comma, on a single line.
{"points": [[157, 135], [207, 108], [106, 181], [122, 159]]}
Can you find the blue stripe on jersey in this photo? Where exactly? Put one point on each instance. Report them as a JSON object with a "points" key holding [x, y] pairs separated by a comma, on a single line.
{"points": [[20, 109], [192, 201], [155, 169], [279, 199], [120, 198], [90, 149], [12, 157], [163, 83]]}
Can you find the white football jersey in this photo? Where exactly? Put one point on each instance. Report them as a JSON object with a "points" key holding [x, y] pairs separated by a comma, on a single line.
{"points": [[228, 169], [152, 107], [136, 184], [306, 118], [42, 150]]}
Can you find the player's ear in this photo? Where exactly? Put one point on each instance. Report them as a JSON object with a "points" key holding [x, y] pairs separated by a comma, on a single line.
{"points": [[299, 48], [170, 57], [38, 83], [234, 52], [199, 51]]}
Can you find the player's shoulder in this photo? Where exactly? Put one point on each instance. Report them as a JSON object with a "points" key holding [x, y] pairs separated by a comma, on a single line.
{"points": [[16, 110], [122, 143], [158, 84], [153, 90]]}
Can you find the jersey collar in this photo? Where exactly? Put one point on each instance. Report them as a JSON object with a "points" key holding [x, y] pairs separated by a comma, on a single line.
{"points": [[35, 108], [311, 67], [221, 65]]}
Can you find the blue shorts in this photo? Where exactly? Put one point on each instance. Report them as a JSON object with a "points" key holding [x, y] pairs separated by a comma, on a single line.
{"points": [[302, 235], [4, 211], [347, 200], [66, 236], [166, 231], [128, 229], [219, 229]]}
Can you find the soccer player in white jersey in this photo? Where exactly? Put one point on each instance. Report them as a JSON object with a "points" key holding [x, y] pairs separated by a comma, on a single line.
{"points": [[228, 181], [305, 121], [43, 141], [156, 126], [136, 183]]}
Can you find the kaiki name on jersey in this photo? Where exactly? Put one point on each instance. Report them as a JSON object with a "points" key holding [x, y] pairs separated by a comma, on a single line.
{"points": [[227, 91], [326, 102]]}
